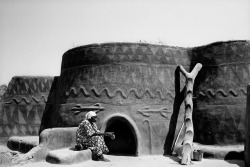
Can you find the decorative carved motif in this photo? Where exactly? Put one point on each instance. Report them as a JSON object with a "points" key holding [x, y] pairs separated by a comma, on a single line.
{"points": [[128, 70], [113, 94], [219, 124], [23, 105], [125, 52], [28, 100], [146, 111], [79, 108], [213, 93], [20, 120], [150, 134], [29, 85]]}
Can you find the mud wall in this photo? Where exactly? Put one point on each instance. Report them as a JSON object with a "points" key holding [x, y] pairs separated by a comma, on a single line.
{"points": [[220, 91], [3, 89], [247, 137], [23, 105]]}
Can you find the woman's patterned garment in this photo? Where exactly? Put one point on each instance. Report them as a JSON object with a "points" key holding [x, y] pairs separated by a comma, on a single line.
{"points": [[84, 137]]}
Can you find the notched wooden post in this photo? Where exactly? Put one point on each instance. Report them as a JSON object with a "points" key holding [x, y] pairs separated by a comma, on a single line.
{"points": [[188, 122]]}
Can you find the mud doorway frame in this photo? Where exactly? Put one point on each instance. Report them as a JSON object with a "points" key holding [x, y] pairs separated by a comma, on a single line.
{"points": [[131, 125]]}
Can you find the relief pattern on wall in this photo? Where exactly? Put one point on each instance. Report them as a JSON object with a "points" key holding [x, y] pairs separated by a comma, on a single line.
{"points": [[154, 122], [220, 124], [23, 105], [220, 92], [20, 120], [127, 71], [134, 85], [29, 85], [151, 66], [125, 53]]}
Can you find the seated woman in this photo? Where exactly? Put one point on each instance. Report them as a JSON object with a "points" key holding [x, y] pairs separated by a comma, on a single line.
{"points": [[88, 136]]}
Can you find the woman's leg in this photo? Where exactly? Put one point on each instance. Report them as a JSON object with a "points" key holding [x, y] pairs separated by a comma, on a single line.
{"points": [[98, 145]]}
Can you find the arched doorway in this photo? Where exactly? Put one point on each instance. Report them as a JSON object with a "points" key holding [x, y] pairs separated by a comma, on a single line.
{"points": [[125, 142]]}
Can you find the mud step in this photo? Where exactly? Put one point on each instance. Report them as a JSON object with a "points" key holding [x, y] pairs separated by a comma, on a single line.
{"points": [[22, 144], [68, 156]]}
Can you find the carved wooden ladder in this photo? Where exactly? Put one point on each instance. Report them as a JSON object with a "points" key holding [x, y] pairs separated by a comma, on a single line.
{"points": [[188, 122]]}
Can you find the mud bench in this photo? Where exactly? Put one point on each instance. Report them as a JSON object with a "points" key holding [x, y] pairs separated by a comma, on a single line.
{"points": [[68, 156]]}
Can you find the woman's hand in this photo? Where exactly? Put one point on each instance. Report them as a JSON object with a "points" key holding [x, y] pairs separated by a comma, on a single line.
{"points": [[110, 134]]}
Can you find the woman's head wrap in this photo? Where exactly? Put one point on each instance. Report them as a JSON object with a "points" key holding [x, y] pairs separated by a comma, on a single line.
{"points": [[90, 114]]}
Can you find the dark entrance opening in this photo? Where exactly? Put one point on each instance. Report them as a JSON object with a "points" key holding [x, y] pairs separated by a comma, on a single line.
{"points": [[125, 140]]}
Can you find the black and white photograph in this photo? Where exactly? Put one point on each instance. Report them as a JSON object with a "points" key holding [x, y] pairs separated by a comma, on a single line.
{"points": [[124, 83]]}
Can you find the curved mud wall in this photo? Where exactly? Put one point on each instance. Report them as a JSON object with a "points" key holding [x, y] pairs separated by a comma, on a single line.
{"points": [[23, 105], [220, 91]]}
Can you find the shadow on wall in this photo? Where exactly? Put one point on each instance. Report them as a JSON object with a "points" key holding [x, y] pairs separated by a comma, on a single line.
{"points": [[233, 155], [237, 158], [209, 65], [203, 81], [50, 118], [179, 97]]}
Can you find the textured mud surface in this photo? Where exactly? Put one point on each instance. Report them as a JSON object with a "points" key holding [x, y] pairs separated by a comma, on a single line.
{"points": [[143, 161]]}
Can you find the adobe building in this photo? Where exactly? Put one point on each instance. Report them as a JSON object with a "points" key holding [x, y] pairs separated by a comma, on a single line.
{"points": [[139, 92]]}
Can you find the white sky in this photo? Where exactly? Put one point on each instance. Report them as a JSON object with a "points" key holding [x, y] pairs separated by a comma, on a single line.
{"points": [[34, 34]]}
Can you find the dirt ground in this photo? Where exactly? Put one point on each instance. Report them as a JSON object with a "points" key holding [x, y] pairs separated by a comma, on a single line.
{"points": [[143, 161], [130, 161]]}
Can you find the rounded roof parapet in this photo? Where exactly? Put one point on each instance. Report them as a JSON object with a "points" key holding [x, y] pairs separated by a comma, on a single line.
{"points": [[143, 53], [107, 53]]}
